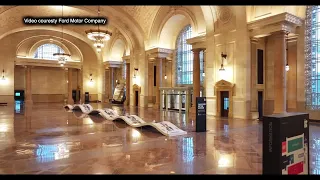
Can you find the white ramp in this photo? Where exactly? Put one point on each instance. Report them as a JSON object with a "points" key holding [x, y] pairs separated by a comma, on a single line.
{"points": [[85, 108], [165, 127]]}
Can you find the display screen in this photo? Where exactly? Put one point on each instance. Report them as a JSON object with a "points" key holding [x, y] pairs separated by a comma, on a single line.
{"points": [[17, 94]]}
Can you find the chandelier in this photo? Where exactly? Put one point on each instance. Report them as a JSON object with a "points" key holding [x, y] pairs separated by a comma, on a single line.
{"points": [[62, 57], [98, 36]]}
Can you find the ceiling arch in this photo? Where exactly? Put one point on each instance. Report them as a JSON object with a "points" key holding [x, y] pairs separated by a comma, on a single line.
{"points": [[167, 15], [117, 50], [27, 46], [168, 33], [11, 20]]}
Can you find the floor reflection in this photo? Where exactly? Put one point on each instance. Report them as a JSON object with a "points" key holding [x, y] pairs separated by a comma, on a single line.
{"points": [[46, 139]]}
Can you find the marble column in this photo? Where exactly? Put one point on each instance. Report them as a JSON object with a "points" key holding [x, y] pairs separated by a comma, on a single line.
{"points": [[196, 78], [28, 98], [150, 82], [106, 85], [279, 72], [127, 84], [254, 94], [158, 82], [70, 100], [292, 75], [111, 73], [80, 81], [205, 71]]}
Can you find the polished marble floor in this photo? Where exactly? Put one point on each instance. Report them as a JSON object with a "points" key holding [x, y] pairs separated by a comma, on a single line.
{"points": [[45, 139]]}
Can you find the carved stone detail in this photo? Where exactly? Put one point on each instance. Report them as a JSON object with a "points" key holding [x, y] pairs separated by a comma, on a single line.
{"points": [[293, 19], [224, 14], [144, 15], [280, 22]]}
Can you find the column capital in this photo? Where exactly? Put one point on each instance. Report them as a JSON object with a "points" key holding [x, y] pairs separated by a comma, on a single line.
{"points": [[293, 38], [111, 64], [254, 40], [28, 66], [279, 34], [197, 50]]}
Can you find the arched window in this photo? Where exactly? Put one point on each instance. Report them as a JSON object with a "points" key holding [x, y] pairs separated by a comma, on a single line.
{"points": [[184, 58], [46, 51], [312, 67]]}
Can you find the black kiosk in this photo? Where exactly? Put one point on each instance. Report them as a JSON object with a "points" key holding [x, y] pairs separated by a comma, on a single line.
{"points": [[286, 144], [201, 114]]}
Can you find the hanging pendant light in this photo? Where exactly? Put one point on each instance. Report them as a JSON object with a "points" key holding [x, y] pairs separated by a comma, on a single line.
{"points": [[98, 36], [165, 70], [287, 65], [203, 73], [62, 57], [2, 76]]}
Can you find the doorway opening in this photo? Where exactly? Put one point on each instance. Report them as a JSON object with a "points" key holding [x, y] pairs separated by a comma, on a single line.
{"points": [[136, 98], [19, 95], [224, 103], [260, 104]]}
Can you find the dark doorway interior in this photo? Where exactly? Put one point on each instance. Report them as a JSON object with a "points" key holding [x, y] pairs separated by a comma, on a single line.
{"points": [[260, 104], [19, 95], [224, 103], [76, 95], [136, 98]]}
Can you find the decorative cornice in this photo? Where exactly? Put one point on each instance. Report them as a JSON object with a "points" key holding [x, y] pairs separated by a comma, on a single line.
{"points": [[31, 62], [159, 53], [112, 64], [197, 39], [280, 22], [198, 42], [126, 58]]}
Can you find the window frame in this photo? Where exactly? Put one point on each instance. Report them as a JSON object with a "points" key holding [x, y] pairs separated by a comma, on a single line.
{"points": [[42, 51]]}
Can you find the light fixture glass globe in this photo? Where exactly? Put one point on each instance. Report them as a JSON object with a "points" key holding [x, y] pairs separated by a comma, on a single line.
{"points": [[98, 35], [203, 74], [98, 44], [165, 76], [287, 67]]}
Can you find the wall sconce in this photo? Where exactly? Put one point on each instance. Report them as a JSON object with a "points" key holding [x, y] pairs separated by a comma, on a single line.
{"points": [[135, 73], [2, 76], [91, 80], [287, 65], [165, 70], [223, 56], [3, 79], [203, 73]]}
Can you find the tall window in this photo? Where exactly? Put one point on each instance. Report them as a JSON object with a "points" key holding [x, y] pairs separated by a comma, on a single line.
{"points": [[184, 58], [46, 51], [312, 67]]}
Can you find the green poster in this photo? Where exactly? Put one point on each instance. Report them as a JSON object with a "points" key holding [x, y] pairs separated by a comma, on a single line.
{"points": [[295, 144]]}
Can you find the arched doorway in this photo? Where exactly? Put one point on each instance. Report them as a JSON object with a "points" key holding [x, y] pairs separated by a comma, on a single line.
{"points": [[224, 92], [136, 93]]}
